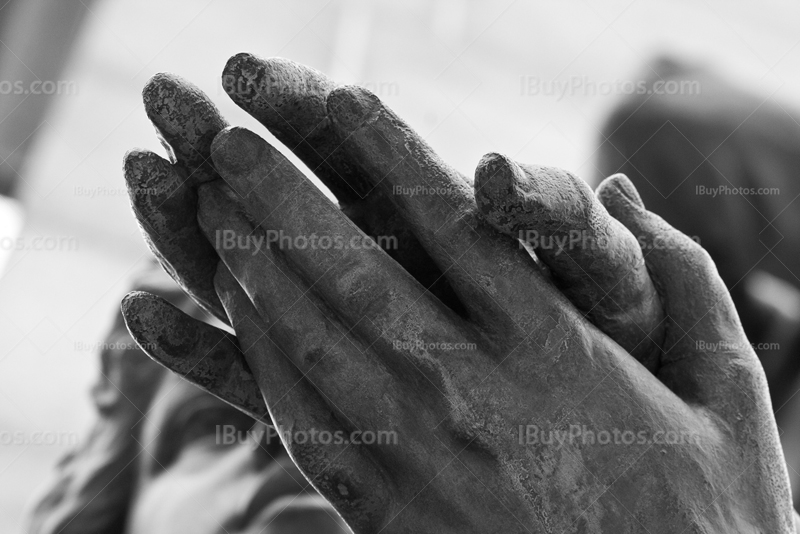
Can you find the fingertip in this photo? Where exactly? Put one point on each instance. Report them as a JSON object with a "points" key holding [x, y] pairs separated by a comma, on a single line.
{"points": [[350, 106], [132, 304], [616, 192], [134, 155], [497, 179], [236, 151], [272, 80], [148, 317], [493, 169], [241, 77], [155, 86], [167, 97], [240, 62], [146, 171], [206, 356], [185, 119], [514, 196], [622, 201]]}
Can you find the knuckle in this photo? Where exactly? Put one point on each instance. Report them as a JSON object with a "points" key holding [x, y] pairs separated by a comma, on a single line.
{"points": [[358, 491]]}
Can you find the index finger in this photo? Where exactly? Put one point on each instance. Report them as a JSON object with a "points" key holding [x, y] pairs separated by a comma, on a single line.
{"points": [[494, 279], [289, 100], [162, 192]]}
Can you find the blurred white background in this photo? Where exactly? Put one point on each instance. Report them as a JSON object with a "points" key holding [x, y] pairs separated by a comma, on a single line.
{"points": [[455, 69]]}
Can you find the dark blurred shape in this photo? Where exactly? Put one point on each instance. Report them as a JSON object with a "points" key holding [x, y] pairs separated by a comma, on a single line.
{"points": [[165, 456], [37, 38], [723, 165], [93, 485]]}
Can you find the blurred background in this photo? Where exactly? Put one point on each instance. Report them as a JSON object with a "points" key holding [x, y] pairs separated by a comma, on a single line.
{"points": [[535, 80]]}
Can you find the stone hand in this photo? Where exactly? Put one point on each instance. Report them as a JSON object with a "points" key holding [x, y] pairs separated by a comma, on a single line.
{"points": [[499, 395]]}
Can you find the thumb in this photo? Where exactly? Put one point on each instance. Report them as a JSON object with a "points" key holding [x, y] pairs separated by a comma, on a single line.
{"points": [[707, 358]]}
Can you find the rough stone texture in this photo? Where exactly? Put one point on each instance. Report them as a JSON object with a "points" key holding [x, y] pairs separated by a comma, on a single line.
{"points": [[720, 163], [289, 100], [186, 121], [163, 195], [207, 356], [595, 261], [719, 136], [457, 388], [166, 211]]}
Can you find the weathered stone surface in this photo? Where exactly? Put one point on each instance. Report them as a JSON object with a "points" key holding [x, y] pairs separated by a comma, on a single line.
{"points": [[355, 342], [595, 261]]}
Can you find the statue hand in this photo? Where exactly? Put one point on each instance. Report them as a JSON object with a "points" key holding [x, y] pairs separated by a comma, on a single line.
{"points": [[513, 413]]}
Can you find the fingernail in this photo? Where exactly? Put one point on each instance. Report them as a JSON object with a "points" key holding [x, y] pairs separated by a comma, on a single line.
{"points": [[239, 75], [236, 151], [495, 178], [215, 206], [145, 171], [168, 100], [350, 106], [624, 187], [160, 94], [131, 303]]}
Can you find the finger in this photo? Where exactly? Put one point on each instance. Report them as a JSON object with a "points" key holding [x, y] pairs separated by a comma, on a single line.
{"points": [[491, 276], [371, 293], [347, 372], [707, 359], [343, 473], [289, 100], [166, 212], [205, 356], [186, 121], [594, 260], [164, 200], [304, 328]]}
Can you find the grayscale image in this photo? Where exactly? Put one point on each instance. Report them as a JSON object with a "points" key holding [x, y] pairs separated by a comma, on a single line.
{"points": [[378, 267]]}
